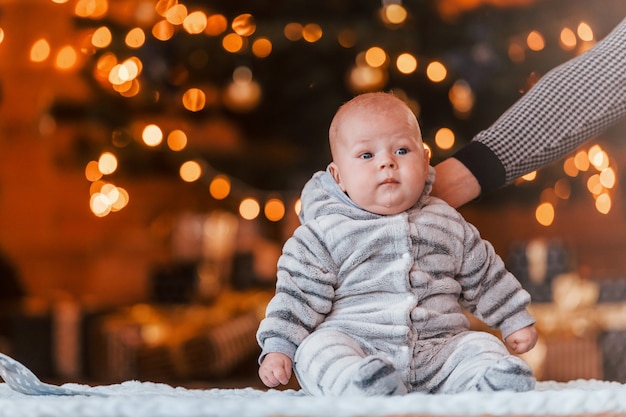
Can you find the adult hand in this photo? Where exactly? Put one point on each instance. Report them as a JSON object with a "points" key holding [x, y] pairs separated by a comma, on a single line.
{"points": [[454, 183]]}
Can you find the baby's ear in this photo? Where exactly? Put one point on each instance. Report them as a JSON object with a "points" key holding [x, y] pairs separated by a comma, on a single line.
{"points": [[427, 154], [334, 171], [426, 157]]}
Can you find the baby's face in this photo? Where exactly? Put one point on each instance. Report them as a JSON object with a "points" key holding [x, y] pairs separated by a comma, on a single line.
{"points": [[379, 160]]}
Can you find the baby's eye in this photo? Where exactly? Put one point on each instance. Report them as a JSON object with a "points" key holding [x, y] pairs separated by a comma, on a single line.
{"points": [[402, 151], [366, 155]]}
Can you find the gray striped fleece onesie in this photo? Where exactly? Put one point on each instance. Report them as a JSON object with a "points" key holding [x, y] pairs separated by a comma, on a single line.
{"points": [[369, 304]]}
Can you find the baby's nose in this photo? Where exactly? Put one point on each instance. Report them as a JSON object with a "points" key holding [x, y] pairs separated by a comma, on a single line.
{"points": [[387, 162]]}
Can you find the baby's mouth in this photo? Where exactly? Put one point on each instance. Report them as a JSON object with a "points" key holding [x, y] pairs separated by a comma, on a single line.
{"points": [[390, 180]]}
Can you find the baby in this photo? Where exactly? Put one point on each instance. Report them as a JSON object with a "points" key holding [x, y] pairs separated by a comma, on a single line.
{"points": [[371, 287]]}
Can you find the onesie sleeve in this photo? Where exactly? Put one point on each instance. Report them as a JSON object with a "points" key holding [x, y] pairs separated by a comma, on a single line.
{"points": [[304, 293], [568, 105], [489, 291]]}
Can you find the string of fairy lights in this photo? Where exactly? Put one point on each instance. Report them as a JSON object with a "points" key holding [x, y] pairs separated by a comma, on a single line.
{"points": [[161, 20]]}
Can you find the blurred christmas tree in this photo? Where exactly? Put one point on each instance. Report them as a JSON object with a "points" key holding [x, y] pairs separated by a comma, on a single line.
{"points": [[252, 85]]}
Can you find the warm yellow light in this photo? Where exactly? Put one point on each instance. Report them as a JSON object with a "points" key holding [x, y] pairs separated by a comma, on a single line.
{"points": [[220, 187], [594, 185], [406, 63], [607, 178], [530, 176], [66, 58], [535, 41], [92, 172], [194, 99], [603, 203], [365, 78], [312, 32], [274, 209], [585, 32], [567, 39], [176, 14], [163, 30], [297, 207], [598, 157], [548, 196], [111, 192], [262, 47], [135, 38], [152, 135], [569, 167], [104, 65], [99, 205], [436, 72], [562, 189], [232, 42], [107, 163], [195, 23], [394, 14], [347, 38], [122, 88], [190, 171], [444, 138], [516, 52], [134, 66], [293, 31], [216, 24], [102, 37], [545, 214], [242, 74], [1, 35], [163, 6], [94, 9], [122, 200], [375, 57], [40, 51], [249, 209], [118, 75], [461, 97], [131, 89], [124, 72], [177, 140], [96, 186], [581, 160], [242, 96], [244, 24]]}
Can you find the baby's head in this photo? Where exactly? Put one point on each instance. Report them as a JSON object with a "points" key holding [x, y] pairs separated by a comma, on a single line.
{"points": [[379, 159]]}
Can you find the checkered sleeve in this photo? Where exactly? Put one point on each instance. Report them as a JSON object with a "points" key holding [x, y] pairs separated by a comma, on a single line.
{"points": [[569, 105]]}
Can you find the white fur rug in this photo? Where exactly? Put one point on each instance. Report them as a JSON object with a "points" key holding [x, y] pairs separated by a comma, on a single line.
{"points": [[138, 399]]}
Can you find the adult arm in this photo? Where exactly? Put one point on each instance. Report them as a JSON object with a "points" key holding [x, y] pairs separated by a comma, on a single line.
{"points": [[569, 105]]}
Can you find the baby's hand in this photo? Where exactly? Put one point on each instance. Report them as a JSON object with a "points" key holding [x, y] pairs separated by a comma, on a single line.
{"points": [[275, 369], [522, 340]]}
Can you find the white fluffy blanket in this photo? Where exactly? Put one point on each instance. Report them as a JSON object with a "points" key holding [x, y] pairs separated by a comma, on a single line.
{"points": [[139, 399]]}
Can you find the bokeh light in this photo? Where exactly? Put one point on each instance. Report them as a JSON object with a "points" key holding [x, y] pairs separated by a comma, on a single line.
{"points": [[220, 187], [436, 71], [274, 209], [152, 135], [249, 208], [177, 140], [190, 171], [444, 138], [545, 214]]}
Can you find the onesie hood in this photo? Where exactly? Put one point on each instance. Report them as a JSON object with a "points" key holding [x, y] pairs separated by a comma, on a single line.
{"points": [[322, 195]]}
